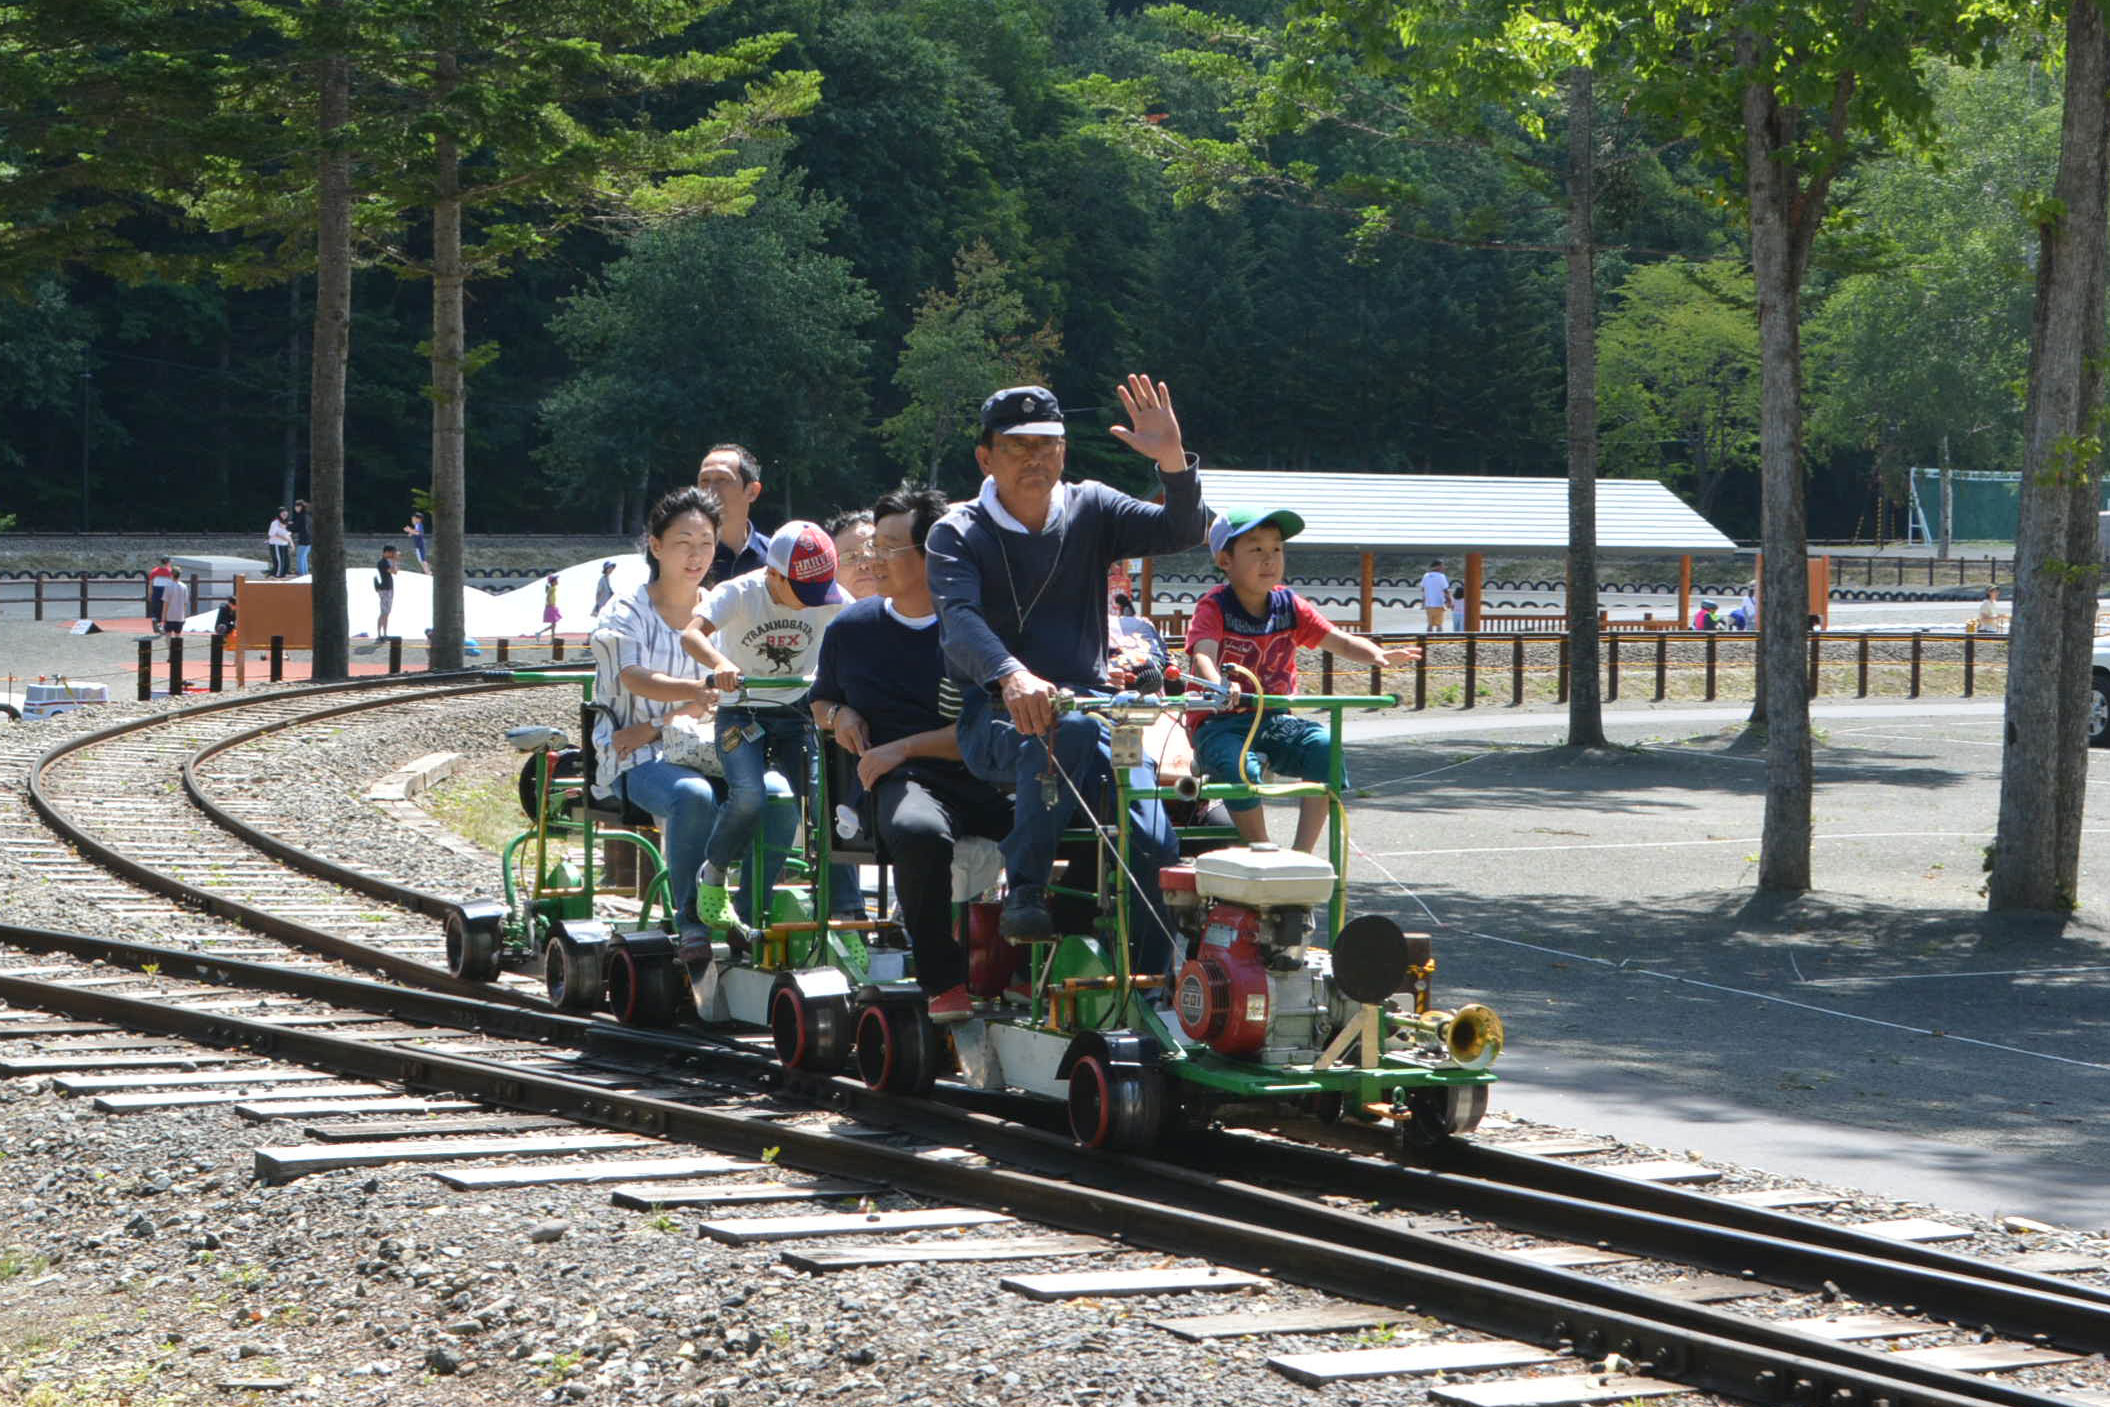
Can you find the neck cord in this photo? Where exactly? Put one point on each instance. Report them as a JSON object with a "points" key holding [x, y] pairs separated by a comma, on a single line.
{"points": [[1025, 610]]}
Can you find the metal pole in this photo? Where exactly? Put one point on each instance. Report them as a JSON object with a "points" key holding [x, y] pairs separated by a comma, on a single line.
{"points": [[146, 668], [278, 658], [175, 666], [87, 384], [215, 662]]}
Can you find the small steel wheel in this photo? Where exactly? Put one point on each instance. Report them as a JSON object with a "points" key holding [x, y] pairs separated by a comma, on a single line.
{"points": [[644, 988], [574, 977], [1116, 1107], [472, 945], [810, 1035], [897, 1047]]}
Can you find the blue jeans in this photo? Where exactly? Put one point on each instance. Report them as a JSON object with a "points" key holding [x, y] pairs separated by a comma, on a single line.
{"points": [[301, 552], [785, 745], [999, 754], [682, 800]]}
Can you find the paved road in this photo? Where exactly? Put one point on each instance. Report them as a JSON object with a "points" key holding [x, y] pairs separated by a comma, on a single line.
{"points": [[1883, 1032]]}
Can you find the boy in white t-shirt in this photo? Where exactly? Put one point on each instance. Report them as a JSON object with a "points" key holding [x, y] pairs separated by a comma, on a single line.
{"points": [[762, 624]]}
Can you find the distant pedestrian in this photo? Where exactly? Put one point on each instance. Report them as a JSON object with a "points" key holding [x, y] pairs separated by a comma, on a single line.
{"points": [[1707, 617], [1457, 605], [604, 589], [175, 603], [417, 532], [303, 536], [279, 534], [1744, 614], [1435, 595], [157, 582], [1989, 616], [550, 614], [384, 589]]}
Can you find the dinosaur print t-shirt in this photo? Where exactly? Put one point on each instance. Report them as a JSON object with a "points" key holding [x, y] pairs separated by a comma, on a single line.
{"points": [[763, 639]]}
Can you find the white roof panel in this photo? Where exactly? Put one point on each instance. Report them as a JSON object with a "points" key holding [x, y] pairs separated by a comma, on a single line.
{"points": [[1393, 511]]}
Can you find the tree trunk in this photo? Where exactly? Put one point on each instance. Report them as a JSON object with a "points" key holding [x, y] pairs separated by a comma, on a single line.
{"points": [[448, 387], [1781, 219], [1585, 706], [1948, 501], [2044, 765], [332, 350], [289, 473]]}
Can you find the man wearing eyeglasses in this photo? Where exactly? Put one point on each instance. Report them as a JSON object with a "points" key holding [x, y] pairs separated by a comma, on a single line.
{"points": [[1019, 576], [882, 686]]}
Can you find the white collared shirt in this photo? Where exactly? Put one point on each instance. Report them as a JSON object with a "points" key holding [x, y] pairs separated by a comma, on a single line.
{"points": [[1003, 516]]}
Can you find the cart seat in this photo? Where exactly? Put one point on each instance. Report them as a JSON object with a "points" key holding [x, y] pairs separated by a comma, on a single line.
{"points": [[605, 810]]}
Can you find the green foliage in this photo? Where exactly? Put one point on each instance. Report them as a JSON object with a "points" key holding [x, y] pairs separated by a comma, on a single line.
{"points": [[1677, 366], [1934, 343], [707, 330], [43, 351], [967, 341]]}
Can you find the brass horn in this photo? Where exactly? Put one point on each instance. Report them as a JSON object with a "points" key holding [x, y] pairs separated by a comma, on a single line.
{"points": [[1471, 1035]]}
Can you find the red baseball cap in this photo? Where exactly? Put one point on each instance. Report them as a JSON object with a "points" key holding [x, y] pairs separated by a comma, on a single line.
{"points": [[805, 555]]}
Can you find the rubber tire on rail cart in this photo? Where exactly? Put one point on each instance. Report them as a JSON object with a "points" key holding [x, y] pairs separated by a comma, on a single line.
{"points": [[810, 1033], [645, 982], [897, 1048], [474, 931], [574, 969], [1114, 1106]]}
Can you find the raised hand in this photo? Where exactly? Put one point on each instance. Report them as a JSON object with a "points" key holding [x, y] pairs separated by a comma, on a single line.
{"points": [[1152, 428]]}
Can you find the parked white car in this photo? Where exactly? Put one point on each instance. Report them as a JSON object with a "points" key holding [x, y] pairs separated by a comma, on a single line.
{"points": [[2099, 696]]}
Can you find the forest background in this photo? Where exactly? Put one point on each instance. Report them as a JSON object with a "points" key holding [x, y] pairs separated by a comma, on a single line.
{"points": [[956, 211]]}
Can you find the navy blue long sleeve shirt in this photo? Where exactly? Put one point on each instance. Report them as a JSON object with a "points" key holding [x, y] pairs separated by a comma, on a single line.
{"points": [[1011, 601]]}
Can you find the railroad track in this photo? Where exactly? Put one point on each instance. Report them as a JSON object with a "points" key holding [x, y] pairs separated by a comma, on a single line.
{"points": [[120, 800], [1631, 1339], [1467, 1264]]}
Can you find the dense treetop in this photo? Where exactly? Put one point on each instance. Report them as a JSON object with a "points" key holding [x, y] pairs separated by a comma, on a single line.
{"points": [[954, 207]]}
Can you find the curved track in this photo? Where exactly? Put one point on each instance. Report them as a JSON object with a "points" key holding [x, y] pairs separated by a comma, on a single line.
{"points": [[106, 793], [1193, 1208]]}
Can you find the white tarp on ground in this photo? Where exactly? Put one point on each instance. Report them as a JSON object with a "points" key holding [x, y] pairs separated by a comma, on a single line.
{"points": [[515, 613]]}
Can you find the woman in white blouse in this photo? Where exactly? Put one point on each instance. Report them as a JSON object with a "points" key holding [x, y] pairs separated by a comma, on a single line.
{"points": [[645, 677]]}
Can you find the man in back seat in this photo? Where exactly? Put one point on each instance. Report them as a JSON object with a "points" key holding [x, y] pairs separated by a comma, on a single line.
{"points": [[1019, 576], [881, 685]]}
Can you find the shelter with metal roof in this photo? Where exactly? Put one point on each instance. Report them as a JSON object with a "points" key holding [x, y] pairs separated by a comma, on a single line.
{"points": [[1399, 511], [1407, 512]]}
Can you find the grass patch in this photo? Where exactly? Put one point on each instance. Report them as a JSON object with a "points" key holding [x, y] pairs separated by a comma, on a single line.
{"points": [[480, 802]]}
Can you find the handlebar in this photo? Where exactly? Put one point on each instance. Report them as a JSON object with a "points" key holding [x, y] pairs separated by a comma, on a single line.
{"points": [[1205, 697]]}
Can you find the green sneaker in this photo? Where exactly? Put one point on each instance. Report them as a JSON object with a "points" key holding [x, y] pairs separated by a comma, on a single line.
{"points": [[714, 905]]}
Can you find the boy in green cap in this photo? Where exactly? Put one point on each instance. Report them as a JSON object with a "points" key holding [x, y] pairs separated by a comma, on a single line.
{"points": [[1255, 622]]}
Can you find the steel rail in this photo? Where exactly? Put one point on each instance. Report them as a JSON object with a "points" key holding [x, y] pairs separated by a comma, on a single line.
{"points": [[294, 856], [1182, 1211], [1492, 1165], [300, 935]]}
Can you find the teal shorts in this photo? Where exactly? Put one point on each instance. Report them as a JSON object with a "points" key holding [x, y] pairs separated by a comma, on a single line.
{"points": [[1293, 746]]}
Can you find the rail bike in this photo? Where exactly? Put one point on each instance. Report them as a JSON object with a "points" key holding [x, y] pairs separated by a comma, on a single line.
{"points": [[1276, 995]]}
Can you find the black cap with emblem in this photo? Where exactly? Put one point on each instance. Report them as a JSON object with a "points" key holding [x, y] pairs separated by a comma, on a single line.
{"points": [[1022, 410]]}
